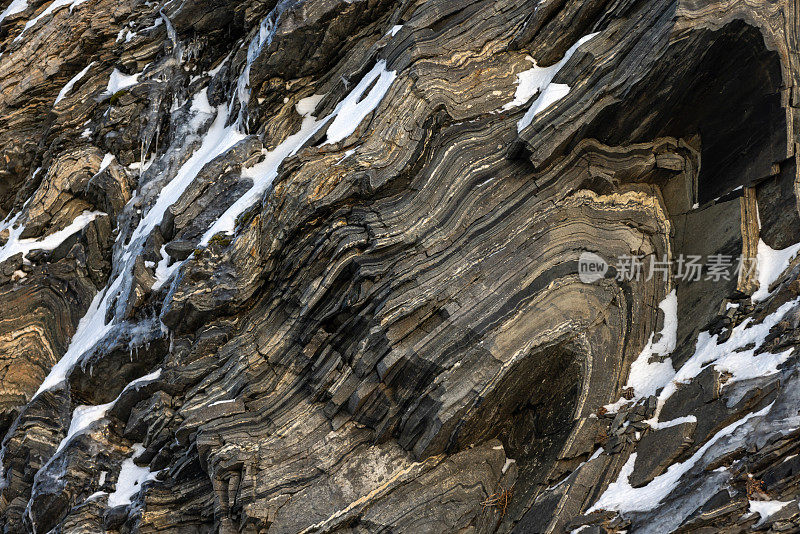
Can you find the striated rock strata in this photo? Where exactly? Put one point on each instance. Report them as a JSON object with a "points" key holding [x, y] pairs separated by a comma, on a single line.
{"points": [[314, 266]]}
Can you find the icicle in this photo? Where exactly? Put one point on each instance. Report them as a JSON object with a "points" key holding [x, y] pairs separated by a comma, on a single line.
{"points": [[173, 35], [158, 133], [266, 32]]}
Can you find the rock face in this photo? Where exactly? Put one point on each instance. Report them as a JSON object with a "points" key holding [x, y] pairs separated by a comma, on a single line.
{"points": [[318, 266]]}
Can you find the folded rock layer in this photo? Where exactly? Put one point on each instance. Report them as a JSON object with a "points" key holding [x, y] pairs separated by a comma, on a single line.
{"points": [[307, 266]]}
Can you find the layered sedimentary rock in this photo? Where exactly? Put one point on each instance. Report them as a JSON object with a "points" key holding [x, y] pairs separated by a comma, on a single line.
{"points": [[315, 266]]}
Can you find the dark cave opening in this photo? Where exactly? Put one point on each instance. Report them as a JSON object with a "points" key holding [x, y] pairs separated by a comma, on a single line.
{"points": [[531, 410], [734, 103], [721, 89], [718, 92]]}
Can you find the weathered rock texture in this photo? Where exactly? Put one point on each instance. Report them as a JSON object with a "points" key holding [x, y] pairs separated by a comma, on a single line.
{"points": [[327, 274]]}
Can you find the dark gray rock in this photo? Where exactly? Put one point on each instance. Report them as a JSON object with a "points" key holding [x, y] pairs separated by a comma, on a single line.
{"points": [[393, 336]]}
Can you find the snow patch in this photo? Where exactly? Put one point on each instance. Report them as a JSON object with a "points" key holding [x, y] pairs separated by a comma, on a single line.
{"points": [[83, 416], [130, 480], [771, 263], [95, 495], [307, 106], [507, 465], [538, 80], [647, 377], [119, 81], [346, 155], [213, 72], [164, 271], [766, 509], [347, 115], [17, 6], [353, 109], [200, 103], [736, 356], [107, 159], [93, 326]]}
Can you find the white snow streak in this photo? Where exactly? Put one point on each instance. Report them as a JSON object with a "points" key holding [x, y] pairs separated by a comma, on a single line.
{"points": [[265, 171], [647, 377], [771, 263], [70, 84], [218, 140], [17, 6], [352, 110], [16, 245], [57, 4], [91, 328], [623, 497], [347, 115]]}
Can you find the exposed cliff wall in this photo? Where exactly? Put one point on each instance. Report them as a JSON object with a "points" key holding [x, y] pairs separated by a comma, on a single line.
{"points": [[314, 266]]}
